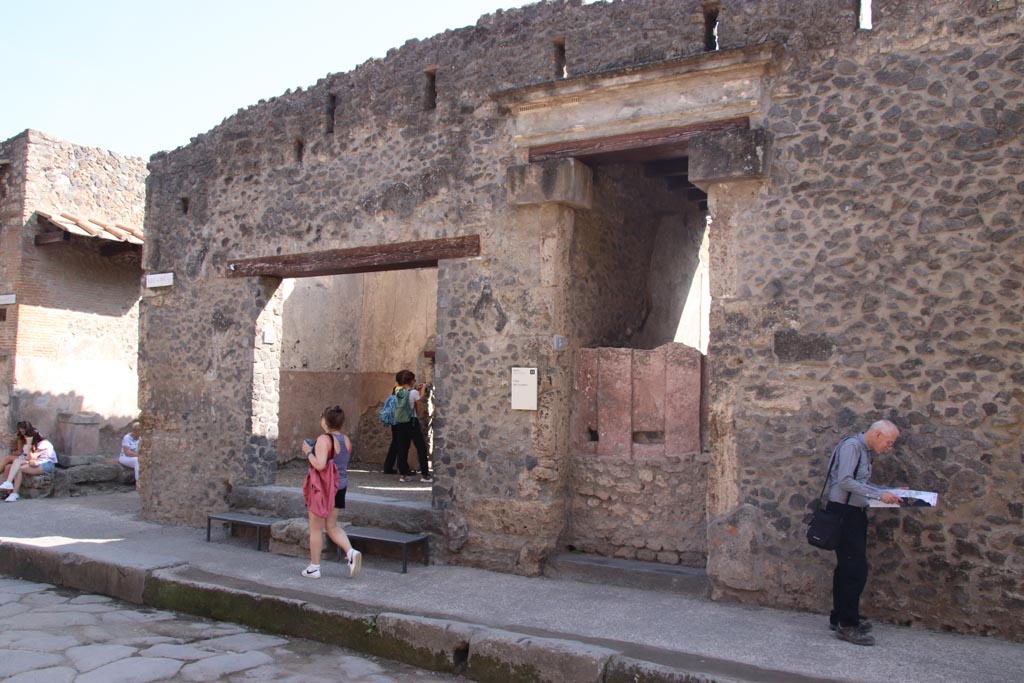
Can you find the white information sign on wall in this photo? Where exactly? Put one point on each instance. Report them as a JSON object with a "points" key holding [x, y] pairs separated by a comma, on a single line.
{"points": [[160, 280], [7, 299], [524, 388]]}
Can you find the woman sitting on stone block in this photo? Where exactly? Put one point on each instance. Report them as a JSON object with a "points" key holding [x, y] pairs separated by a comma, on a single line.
{"points": [[41, 459], [324, 491], [22, 445]]}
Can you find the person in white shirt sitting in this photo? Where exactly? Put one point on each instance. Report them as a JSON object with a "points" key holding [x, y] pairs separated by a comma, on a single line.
{"points": [[129, 455]]}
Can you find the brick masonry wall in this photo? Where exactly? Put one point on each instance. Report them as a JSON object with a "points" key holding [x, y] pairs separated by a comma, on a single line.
{"points": [[874, 274], [77, 313], [12, 177]]}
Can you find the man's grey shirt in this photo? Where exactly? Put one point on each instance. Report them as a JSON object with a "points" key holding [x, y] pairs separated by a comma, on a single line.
{"points": [[847, 478]]}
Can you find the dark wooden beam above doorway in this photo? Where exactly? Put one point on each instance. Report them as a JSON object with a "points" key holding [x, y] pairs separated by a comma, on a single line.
{"points": [[376, 258], [670, 168], [665, 143]]}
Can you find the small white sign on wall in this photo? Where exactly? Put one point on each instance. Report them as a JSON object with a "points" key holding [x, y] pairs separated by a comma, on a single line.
{"points": [[160, 280], [524, 388], [7, 299]]}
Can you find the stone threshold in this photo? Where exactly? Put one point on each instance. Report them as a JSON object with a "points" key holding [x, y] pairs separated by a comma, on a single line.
{"points": [[615, 571]]}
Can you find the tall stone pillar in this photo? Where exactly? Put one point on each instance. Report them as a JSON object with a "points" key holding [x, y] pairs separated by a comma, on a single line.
{"points": [[501, 483], [546, 196], [731, 166]]}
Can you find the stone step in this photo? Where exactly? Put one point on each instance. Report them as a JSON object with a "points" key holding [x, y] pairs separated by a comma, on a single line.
{"points": [[361, 509], [629, 573], [290, 536]]}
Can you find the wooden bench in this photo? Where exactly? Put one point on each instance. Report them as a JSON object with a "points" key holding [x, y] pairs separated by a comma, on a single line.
{"points": [[399, 538], [242, 519]]}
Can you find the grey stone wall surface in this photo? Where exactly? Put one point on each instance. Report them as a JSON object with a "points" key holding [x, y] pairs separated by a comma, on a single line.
{"points": [[875, 272], [877, 276]]}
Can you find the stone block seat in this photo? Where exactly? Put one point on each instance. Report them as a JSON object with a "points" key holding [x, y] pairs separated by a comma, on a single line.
{"points": [[37, 485], [84, 475]]}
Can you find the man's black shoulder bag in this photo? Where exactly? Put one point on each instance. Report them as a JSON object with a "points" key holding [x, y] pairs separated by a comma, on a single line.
{"points": [[826, 526]]}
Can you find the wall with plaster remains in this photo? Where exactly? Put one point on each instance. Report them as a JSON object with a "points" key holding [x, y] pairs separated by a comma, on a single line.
{"points": [[875, 272], [344, 339]]}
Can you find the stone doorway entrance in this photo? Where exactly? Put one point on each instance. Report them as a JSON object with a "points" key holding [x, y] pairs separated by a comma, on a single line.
{"points": [[324, 339], [640, 157]]}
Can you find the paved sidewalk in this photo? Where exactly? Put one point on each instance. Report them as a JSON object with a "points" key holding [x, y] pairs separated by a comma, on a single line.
{"points": [[485, 625]]}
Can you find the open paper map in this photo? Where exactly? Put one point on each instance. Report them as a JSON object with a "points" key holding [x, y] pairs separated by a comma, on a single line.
{"points": [[911, 499]]}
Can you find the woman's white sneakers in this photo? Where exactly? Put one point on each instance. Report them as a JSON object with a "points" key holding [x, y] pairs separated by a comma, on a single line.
{"points": [[11, 498], [6, 486], [355, 562]]}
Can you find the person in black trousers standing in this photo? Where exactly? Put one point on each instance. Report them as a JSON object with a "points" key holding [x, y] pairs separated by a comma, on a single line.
{"points": [[848, 494]]}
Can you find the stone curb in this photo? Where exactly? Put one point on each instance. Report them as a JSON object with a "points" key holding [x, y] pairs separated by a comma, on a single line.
{"points": [[73, 571], [480, 653]]}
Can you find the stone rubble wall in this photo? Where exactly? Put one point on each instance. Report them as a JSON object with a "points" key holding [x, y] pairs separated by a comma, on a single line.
{"points": [[878, 276], [874, 274]]}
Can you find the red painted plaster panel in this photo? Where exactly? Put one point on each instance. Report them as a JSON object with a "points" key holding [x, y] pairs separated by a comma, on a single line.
{"points": [[614, 398], [649, 401], [682, 375], [584, 409]]}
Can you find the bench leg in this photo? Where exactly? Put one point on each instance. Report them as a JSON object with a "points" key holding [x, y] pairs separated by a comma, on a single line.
{"points": [[405, 557], [208, 522]]}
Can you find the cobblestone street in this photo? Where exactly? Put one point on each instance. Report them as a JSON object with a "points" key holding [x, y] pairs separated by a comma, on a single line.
{"points": [[59, 636]]}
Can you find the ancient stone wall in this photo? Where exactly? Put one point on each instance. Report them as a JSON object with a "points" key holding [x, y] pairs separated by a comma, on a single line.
{"points": [[873, 274], [877, 276]]}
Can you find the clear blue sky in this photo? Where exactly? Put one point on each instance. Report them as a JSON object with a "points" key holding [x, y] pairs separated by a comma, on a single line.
{"points": [[141, 76]]}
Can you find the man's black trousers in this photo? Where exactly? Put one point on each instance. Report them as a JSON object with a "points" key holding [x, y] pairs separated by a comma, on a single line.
{"points": [[851, 572]]}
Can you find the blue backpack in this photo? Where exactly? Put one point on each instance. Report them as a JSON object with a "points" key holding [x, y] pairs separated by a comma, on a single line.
{"points": [[387, 413]]}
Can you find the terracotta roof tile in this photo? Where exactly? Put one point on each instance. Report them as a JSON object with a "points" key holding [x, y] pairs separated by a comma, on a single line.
{"points": [[92, 227]]}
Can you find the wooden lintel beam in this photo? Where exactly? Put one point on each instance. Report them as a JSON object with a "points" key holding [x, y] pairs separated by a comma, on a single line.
{"points": [[667, 167], [679, 182], [616, 143], [400, 256], [51, 237], [109, 248]]}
